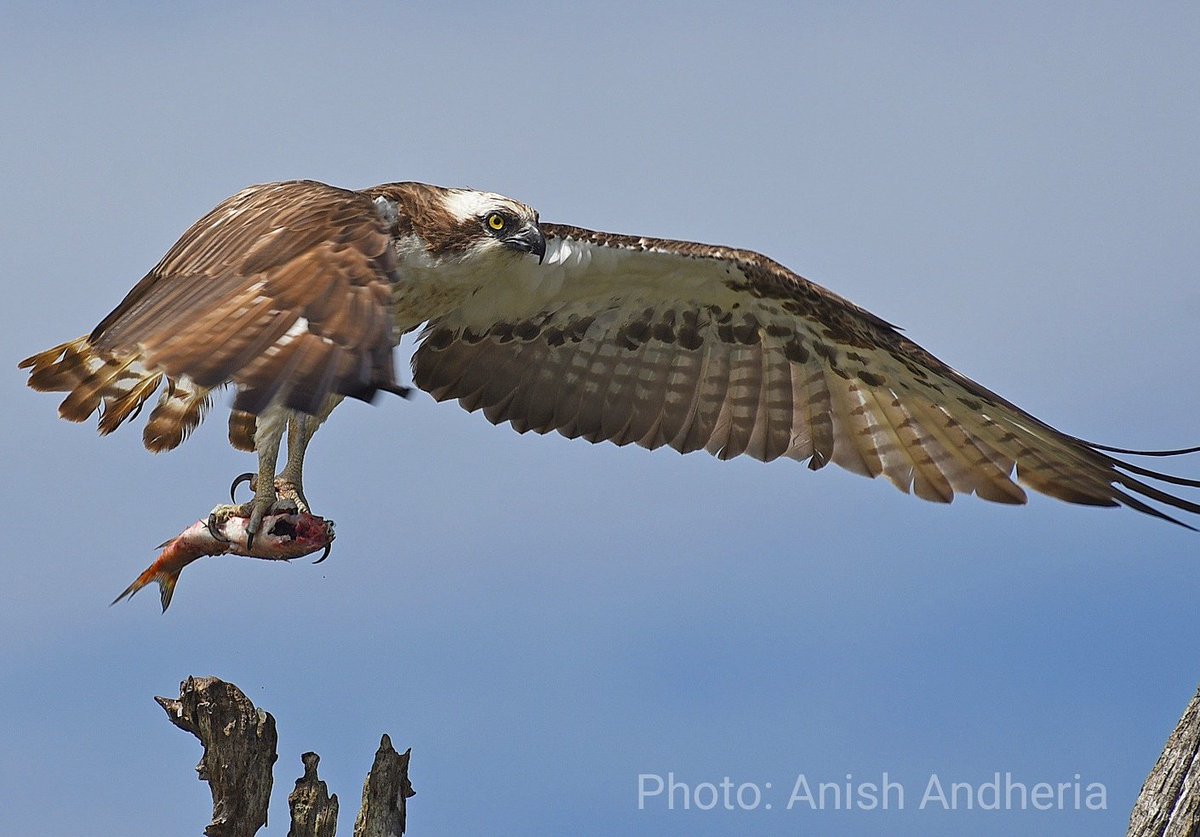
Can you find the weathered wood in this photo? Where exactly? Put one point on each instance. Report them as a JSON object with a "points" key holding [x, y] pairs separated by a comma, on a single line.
{"points": [[1169, 804], [314, 811], [239, 751], [385, 794]]}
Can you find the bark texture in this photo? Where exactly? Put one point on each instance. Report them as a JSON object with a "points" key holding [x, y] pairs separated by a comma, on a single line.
{"points": [[385, 794], [1169, 804], [314, 811], [239, 751]]}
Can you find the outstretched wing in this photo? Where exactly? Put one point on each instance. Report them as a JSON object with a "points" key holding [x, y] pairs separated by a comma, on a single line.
{"points": [[661, 342], [282, 290]]}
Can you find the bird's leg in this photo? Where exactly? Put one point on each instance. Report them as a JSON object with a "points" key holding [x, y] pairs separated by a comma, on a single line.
{"points": [[289, 484], [285, 492], [267, 438]]}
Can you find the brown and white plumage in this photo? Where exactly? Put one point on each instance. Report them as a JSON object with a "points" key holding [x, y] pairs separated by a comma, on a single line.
{"points": [[295, 295], [283, 290], [291, 293], [658, 342]]}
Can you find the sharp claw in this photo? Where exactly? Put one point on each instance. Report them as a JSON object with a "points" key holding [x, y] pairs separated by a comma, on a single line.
{"points": [[325, 554], [241, 478], [214, 529]]}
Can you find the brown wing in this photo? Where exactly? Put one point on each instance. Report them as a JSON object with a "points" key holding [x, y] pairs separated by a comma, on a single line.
{"points": [[668, 343], [283, 290]]}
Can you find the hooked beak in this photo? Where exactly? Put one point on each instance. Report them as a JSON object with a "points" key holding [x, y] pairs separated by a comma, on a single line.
{"points": [[528, 240]]}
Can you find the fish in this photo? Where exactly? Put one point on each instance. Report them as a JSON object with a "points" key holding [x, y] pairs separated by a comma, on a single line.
{"points": [[282, 537]]}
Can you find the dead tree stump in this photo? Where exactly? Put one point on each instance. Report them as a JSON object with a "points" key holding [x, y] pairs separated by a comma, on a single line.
{"points": [[385, 794], [1169, 804], [314, 811], [240, 750]]}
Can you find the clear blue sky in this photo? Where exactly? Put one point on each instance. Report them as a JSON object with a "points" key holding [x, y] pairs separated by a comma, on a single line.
{"points": [[543, 620]]}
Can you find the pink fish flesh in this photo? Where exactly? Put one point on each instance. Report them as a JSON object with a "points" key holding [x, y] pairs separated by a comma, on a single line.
{"points": [[281, 537]]}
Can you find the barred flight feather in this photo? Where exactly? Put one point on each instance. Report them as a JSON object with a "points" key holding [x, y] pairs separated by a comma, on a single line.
{"points": [[220, 308], [700, 347]]}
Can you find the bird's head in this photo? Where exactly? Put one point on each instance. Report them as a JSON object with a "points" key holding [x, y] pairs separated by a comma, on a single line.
{"points": [[464, 225], [494, 223]]}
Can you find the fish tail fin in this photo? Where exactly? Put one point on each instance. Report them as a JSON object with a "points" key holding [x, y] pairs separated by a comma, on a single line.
{"points": [[166, 577]]}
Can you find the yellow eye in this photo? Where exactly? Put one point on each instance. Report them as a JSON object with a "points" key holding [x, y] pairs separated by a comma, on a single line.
{"points": [[496, 221]]}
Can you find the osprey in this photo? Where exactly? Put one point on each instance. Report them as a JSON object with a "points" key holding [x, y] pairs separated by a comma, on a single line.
{"points": [[296, 293]]}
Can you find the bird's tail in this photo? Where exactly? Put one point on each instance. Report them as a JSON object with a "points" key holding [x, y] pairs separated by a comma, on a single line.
{"points": [[117, 384]]}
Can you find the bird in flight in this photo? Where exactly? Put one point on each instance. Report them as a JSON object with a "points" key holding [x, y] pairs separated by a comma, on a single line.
{"points": [[295, 295]]}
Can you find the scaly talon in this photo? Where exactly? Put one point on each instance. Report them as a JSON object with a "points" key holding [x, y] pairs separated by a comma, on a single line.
{"points": [[257, 511], [291, 490], [260, 507], [325, 554], [241, 478], [214, 528], [217, 519], [284, 496]]}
